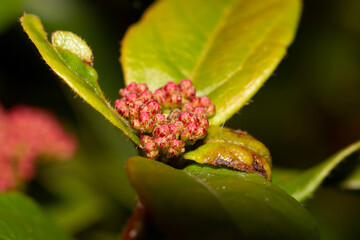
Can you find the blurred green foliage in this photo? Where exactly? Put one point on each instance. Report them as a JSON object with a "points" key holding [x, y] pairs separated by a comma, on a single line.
{"points": [[308, 109]]}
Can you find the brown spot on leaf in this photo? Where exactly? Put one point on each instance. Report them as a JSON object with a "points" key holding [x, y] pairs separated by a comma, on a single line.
{"points": [[256, 167]]}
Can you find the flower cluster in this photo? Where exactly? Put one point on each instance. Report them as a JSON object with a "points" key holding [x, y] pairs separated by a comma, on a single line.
{"points": [[186, 121], [25, 134]]}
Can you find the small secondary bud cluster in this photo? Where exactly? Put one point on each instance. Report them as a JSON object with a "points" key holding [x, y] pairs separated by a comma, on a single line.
{"points": [[186, 123]]}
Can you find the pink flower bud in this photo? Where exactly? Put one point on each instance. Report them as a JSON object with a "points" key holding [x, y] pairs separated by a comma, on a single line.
{"points": [[204, 101], [150, 146], [171, 152], [144, 118], [185, 117], [199, 111], [144, 109], [161, 131], [147, 96], [159, 119], [135, 123], [177, 144], [203, 122], [149, 126], [122, 107], [134, 110], [160, 96], [211, 110], [192, 128], [185, 134], [200, 133], [131, 97], [171, 88], [141, 87], [188, 107], [152, 154], [145, 139], [162, 143], [154, 107], [196, 101], [174, 100], [187, 89]]}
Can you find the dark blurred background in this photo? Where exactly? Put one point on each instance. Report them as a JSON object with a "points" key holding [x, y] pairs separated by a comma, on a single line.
{"points": [[307, 110]]}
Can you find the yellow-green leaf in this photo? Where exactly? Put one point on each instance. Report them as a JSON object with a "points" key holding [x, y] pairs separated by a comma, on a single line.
{"points": [[235, 149], [228, 48]]}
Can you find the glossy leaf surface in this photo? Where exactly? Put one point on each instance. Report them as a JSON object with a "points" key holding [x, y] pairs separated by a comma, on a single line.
{"points": [[227, 48], [78, 75], [20, 218], [235, 149], [301, 185], [202, 202]]}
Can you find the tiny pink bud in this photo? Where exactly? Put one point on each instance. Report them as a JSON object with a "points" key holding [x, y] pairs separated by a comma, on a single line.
{"points": [[161, 131], [131, 87], [200, 133], [131, 97], [185, 134], [141, 87], [122, 107], [150, 146], [171, 87], [162, 143], [134, 111], [205, 101], [159, 119], [188, 107], [144, 109], [203, 122], [185, 117], [149, 126], [196, 101], [145, 139], [195, 119], [154, 107], [147, 96], [171, 136], [135, 123], [192, 128], [177, 144], [144, 118], [171, 152], [152, 154], [175, 100], [199, 111], [160, 96], [211, 110], [187, 89]]}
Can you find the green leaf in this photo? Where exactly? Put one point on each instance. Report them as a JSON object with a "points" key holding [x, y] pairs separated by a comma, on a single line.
{"points": [[202, 202], [303, 184], [81, 77], [235, 149], [352, 181], [20, 218], [228, 48]]}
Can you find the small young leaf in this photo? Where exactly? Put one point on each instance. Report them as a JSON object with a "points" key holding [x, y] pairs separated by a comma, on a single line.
{"points": [[303, 184], [235, 149], [227, 48], [73, 43], [20, 218], [66, 60], [203, 202]]}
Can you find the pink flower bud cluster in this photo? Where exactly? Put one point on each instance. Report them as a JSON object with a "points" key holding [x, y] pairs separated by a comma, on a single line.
{"points": [[186, 123], [25, 135]]}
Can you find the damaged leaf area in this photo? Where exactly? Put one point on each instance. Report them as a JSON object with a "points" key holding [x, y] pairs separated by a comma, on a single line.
{"points": [[235, 149]]}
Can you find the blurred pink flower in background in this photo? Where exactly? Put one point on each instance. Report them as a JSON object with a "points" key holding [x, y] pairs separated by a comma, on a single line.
{"points": [[27, 133]]}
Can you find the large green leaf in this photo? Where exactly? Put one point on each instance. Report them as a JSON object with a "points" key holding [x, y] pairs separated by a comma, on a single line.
{"points": [[21, 219], [235, 149], [228, 48], [301, 185], [202, 202], [81, 77]]}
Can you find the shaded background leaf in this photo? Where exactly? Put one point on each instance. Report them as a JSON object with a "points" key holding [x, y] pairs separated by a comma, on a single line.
{"points": [[20, 218], [302, 184]]}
